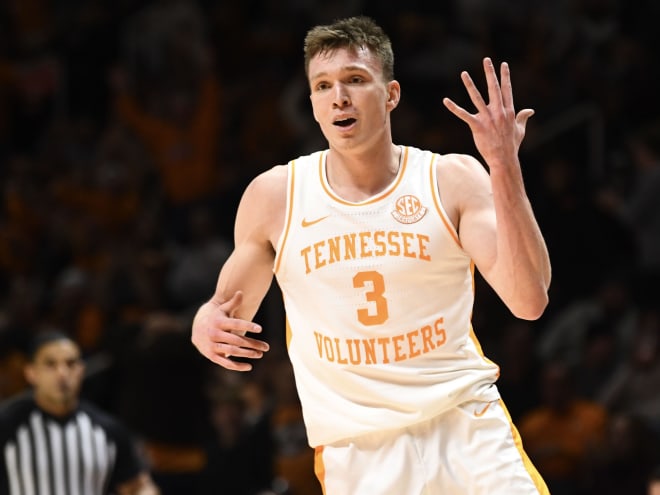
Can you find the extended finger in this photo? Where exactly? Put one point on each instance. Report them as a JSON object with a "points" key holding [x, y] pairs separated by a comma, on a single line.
{"points": [[229, 350], [460, 112], [230, 364], [494, 91], [507, 89], [235, 325], [235, 339], [473, 92]]}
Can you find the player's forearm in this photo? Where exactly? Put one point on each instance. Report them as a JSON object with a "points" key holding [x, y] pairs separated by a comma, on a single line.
{"points": [[522, 255]]}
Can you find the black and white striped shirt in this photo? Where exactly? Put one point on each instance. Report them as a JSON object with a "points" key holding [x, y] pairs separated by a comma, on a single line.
{"points": [[87, 453]]}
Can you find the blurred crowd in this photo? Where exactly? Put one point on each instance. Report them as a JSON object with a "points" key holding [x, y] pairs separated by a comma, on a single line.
{"points": [[129, 128]]}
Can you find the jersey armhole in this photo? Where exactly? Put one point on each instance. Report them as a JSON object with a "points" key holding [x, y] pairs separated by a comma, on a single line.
{"points": [[288, 213], [435, 192]]}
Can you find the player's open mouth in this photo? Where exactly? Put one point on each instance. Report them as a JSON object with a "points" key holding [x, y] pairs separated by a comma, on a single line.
{"points": [[344, 122]]}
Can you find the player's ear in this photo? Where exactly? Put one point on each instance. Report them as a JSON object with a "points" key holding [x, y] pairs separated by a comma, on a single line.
{"points": [[393, 94]]}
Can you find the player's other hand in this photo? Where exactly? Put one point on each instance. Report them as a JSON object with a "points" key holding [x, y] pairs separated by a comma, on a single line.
{"points": [[220, 336]]}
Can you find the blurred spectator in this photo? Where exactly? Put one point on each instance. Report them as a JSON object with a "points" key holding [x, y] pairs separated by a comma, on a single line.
{"points": [[170, 98], [612, 301], [108, 189], [633, 389], [639, 207], [19, 320], [580, 232], [624, 462], [601, 356], [74, 304], [23, 214], [519, 368], [190, 278], [12, 361], [561, 433], [240, 444], [161, 395]]}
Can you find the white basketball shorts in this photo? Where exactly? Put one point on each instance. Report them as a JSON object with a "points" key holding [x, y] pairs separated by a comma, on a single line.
{"points": [[472, 449]]}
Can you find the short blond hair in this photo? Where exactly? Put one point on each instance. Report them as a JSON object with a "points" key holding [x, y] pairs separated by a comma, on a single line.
{"points": [[352, 33]]}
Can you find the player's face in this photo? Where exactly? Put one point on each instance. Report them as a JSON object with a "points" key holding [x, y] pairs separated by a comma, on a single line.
{"points": [[56, 375], [654, 488], [350, 99]]}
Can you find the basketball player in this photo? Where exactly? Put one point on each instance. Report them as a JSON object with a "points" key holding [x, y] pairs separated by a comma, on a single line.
{"points": [[53, 443], [373, 245]]}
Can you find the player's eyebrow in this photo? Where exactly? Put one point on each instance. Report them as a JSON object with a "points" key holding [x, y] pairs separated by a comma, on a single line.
{"points": [[346, 68]]}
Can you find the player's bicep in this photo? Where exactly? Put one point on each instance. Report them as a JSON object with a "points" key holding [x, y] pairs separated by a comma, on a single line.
{"points": [[477, 226], [250, 266]]}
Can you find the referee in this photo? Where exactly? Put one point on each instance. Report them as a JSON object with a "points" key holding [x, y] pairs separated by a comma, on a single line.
{"points": [[54, 443]]}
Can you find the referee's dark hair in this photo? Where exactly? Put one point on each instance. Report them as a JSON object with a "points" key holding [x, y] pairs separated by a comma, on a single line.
{"points": [[45, 337]]}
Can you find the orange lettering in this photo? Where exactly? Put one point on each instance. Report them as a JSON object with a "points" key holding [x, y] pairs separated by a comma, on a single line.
{"points": [[305, 253], [370, 351], [440, 331], [411, 343], [354, 343], [407, 237], [333, 247], [423, 244], [399, 355], [319, 343], [396, 248], [381, 247], [340, 359], [318, 255], [349, 246], [329, 350], [427, 336], [365, 252], [383, 341]]}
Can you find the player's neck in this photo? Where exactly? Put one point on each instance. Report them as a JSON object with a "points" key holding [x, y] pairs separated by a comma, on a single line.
{"points": [[355, 176]]}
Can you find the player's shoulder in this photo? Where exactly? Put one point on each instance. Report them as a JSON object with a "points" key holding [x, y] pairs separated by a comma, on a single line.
{"points": [[460, 161], [279, 174], [271, 177], [267, 190], [271, 184], [460, 168]]}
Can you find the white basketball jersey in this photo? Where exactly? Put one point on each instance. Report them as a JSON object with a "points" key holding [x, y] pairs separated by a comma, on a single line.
{"points": [[378, 296]]}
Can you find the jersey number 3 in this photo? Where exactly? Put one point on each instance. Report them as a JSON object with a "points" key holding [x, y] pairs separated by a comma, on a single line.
{"points": [[375, 296]]}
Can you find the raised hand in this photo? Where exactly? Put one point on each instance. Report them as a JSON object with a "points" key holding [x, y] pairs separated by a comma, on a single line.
{"points": [[496, 129]]}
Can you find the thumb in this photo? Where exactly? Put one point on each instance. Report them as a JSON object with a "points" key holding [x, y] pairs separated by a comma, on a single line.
{"points": [[231, 305], [523, 116]]}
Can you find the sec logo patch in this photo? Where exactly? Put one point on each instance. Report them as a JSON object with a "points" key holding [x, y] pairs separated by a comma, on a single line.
{"points": [[408, 209]]}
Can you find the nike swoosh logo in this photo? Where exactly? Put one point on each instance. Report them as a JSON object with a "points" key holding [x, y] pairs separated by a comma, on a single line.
{"points": [[306, 223], [478, 414]]}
